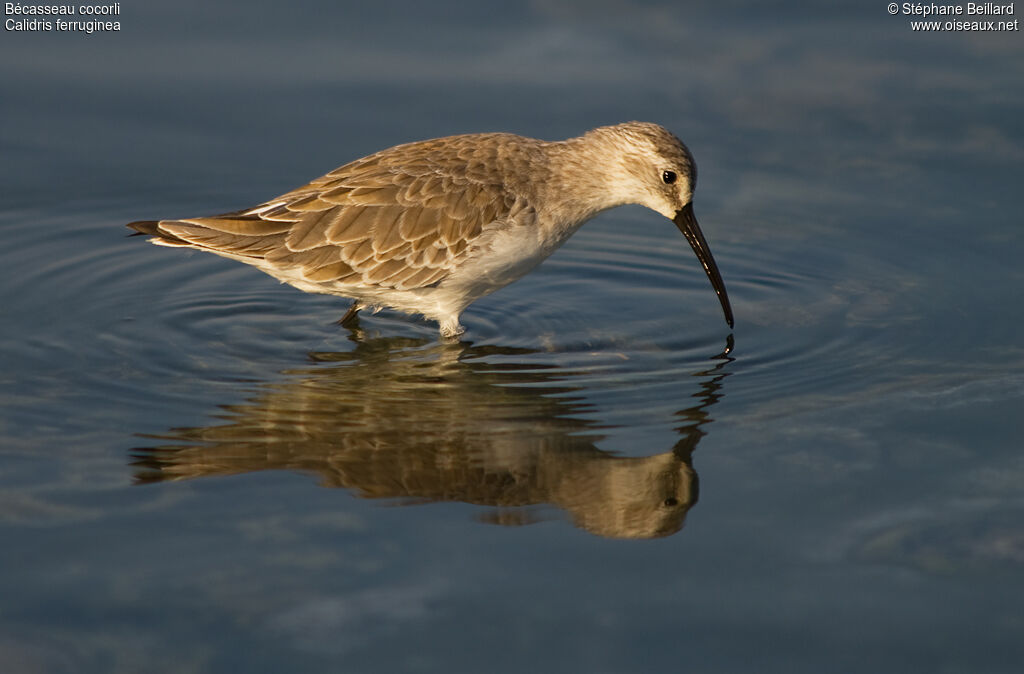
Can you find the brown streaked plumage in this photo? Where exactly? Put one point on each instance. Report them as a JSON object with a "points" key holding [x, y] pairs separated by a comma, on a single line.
{"points": [[429, 227]]}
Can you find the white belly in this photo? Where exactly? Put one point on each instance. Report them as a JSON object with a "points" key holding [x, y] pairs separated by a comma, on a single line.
{"points": [[507, 256]]}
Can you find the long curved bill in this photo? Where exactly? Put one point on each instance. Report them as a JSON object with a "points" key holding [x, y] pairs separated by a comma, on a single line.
{"points": [[686, 221]]}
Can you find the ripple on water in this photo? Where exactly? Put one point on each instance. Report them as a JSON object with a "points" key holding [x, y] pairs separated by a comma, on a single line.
{"points": [[624, 306], [606, 351], [810, 320]]}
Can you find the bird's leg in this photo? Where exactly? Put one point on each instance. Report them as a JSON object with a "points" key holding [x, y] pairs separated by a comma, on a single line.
{"points": [[352, 313], [450, 327]]}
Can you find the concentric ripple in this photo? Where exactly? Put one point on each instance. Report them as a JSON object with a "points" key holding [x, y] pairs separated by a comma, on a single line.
{"points": [[623, 310]]}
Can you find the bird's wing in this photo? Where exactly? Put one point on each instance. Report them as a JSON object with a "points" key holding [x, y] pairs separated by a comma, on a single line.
{"points": [[375, 222]]}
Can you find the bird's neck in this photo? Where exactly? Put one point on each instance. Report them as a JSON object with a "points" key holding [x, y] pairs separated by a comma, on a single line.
{"points": [[583, 180]]}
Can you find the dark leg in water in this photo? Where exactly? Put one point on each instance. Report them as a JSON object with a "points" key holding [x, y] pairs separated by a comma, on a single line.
{"points": [[352, 314]]}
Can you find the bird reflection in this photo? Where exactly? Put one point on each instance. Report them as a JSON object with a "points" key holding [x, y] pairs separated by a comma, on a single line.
{"points": [[417, 421]]}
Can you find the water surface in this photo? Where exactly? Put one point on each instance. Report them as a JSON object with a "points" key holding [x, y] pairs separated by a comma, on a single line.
{"points": [[199, 467]]}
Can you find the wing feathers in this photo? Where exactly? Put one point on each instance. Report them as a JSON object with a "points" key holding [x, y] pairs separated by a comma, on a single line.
{"points": [[234, 244], [416, 223], [248, 226], [347, 226], [304, 234], [400, 219], [387, 232]]}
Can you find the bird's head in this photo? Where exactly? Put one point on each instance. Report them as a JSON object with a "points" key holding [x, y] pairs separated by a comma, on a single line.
{"points": [[653, 168]]}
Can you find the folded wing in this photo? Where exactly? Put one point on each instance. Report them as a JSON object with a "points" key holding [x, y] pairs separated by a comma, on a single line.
{"points": [[370, 223]]}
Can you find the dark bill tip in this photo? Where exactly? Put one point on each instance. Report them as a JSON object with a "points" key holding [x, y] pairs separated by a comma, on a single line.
{"points": [[686, 221]]}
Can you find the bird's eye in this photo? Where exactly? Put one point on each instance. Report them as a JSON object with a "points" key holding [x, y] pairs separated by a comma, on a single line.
{"points": [[668, 176]]}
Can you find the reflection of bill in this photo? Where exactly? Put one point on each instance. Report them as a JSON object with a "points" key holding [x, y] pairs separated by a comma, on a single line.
{"points": [[398, 421]]}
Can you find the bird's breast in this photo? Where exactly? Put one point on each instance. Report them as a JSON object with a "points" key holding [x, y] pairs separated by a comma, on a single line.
{"points": [[506, 253]]}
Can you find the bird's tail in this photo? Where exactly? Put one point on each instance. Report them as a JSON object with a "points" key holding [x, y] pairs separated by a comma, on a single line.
{"points": [[161, 237]]}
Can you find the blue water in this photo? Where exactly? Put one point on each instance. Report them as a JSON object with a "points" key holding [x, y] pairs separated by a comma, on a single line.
{"points": [[200, 471]]}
